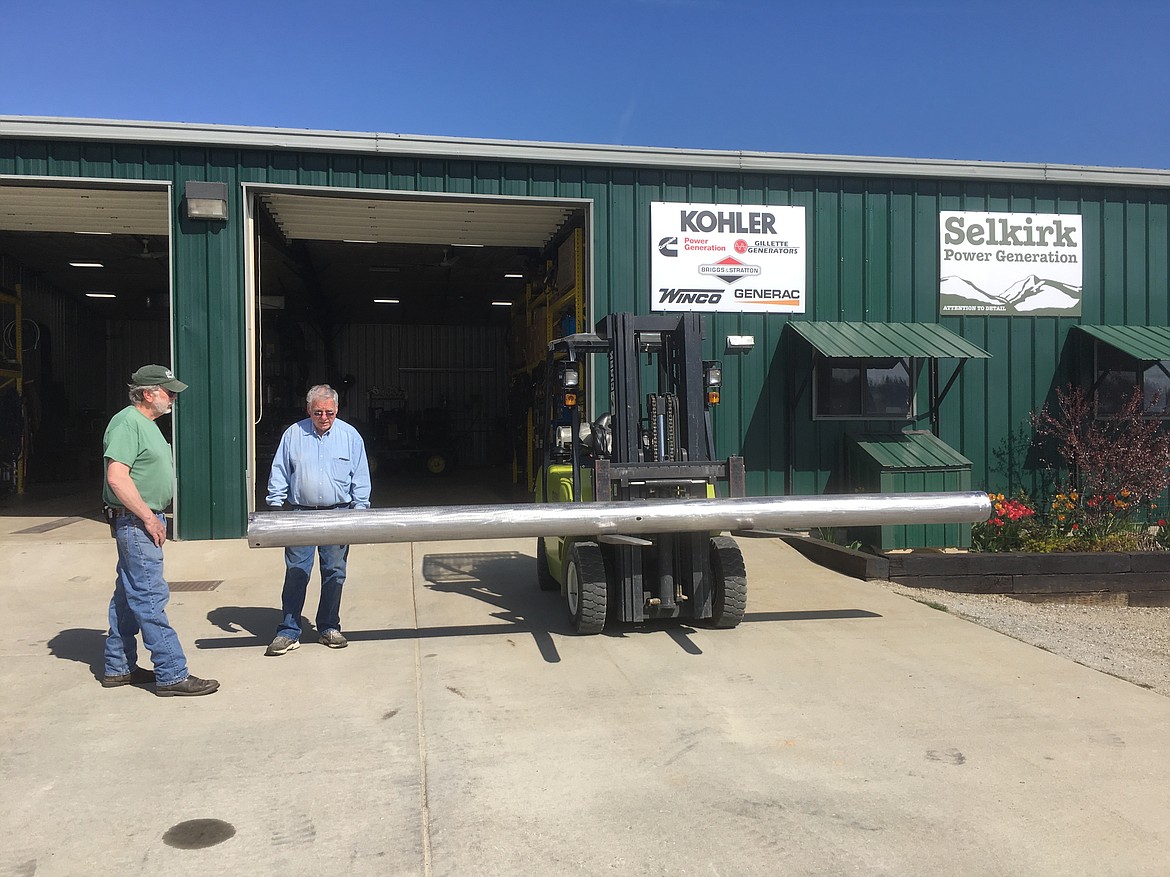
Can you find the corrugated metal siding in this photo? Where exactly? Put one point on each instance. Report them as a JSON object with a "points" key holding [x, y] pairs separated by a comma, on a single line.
{"points": [[459, 370], [873, 256]]}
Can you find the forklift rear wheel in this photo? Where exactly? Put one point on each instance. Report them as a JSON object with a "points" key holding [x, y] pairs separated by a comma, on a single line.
{"points": [[585, 587], [543, 576], [730, 581]]}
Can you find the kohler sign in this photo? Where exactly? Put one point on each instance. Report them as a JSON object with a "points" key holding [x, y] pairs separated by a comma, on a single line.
{"points": [[727, 257], [1010, 264]]}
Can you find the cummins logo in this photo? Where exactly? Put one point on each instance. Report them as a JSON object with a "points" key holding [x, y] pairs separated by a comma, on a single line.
{"points": [[730, 270], [668, 246]]}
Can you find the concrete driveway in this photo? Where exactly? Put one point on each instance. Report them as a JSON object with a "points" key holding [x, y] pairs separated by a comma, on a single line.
{"points": [[841, 729]]}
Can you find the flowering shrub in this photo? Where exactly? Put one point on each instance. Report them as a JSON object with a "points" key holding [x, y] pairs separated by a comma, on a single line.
{"points": [[1108, 474], [1009, 527], [1071, 522]]}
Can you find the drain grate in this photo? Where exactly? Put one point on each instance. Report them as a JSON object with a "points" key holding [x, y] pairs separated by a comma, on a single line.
{"points": [[206, 585]]}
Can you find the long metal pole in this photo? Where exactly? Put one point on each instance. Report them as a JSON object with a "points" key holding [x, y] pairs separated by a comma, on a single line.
{"points": [[453, 523]]}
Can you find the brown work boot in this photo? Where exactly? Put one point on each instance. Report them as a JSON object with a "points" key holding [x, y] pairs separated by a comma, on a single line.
{"points": [[192, 686], [137, 676]]}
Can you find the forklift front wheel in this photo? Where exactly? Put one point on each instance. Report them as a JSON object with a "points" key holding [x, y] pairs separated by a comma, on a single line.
{"points": [[585, 587], [730, 582]]}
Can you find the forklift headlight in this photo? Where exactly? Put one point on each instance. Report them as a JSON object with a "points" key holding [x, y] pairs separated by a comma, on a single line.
{"points": [[570, 377], [564, 436], [713, 379]]}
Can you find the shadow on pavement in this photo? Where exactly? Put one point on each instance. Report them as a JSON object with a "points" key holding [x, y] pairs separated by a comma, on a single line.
{"points": [[505, 581], [83, 645]]}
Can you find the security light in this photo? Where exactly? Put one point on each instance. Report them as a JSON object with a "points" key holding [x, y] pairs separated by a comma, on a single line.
{"points": [[741, 342], [206, 200]]}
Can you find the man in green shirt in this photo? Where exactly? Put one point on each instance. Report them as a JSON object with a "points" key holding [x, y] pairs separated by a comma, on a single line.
{"points": [[138, 487]]}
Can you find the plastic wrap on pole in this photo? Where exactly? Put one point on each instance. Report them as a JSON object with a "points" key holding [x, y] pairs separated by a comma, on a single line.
{"points": [[452, 523]]}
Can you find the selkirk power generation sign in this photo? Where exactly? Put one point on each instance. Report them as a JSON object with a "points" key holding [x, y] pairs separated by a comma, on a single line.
{"points": [[727, 257], [1010, 264]]}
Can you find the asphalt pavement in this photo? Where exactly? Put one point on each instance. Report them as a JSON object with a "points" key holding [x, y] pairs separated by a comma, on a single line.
{"points": [[841, 729]]}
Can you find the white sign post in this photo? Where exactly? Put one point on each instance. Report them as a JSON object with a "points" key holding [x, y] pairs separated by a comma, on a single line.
{"points": [[727, 257], [1010, 264]]}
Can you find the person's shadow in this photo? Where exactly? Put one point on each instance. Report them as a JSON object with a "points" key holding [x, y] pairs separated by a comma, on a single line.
{"points": [[260, 621], [82, 645]]}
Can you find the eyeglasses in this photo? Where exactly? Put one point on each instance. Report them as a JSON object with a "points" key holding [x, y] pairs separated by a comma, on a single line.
{"points": [[324, 413]]}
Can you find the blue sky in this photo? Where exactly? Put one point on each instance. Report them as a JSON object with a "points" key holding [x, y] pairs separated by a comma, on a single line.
{"points": [[1068, 83]]}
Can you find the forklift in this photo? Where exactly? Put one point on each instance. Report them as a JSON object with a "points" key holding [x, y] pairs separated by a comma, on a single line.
{"points": [[655, 443]]}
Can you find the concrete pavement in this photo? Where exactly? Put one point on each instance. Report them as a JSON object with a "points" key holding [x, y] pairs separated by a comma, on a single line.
{"points": [[841, 729]]}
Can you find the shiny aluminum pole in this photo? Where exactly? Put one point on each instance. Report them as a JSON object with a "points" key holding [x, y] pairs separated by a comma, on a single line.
{"points": [[453, 523]]}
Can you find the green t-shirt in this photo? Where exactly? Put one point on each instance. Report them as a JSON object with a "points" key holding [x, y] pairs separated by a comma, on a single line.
{"points": [[134, 439]]}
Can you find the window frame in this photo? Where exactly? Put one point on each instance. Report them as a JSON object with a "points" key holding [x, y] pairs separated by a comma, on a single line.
{"points": [[1136, 376], [820, 362]]}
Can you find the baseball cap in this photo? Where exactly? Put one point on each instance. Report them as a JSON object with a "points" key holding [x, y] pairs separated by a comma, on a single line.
{"points": [[157, 376]]}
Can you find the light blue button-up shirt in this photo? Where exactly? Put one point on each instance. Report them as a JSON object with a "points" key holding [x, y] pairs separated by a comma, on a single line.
{"points": [[320, 470]]}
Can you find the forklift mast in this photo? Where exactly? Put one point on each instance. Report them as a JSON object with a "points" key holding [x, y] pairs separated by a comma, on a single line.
{"points": [[663, 441], [655, 444]]}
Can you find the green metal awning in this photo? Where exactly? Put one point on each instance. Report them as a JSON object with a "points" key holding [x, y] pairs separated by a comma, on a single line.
{"points": [[1148, 343], [860, 340], [909, 450]]}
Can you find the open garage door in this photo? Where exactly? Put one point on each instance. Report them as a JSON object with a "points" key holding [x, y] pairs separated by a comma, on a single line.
{"points": [[418, 309], [85, 291]]}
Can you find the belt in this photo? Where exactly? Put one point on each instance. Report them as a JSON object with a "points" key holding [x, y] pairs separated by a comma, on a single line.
{"points": [[320, 508], [126, 513]]}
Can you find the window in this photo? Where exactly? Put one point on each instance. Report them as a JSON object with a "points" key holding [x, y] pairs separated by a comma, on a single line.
{"points": [[865, 389], [1118, 374]]}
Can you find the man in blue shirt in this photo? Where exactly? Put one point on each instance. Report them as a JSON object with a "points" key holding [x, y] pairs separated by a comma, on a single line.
{"points": [[320, 464]]}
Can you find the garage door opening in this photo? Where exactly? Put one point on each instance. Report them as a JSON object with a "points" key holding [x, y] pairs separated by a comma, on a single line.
{"points": [[85, 292], [420, 311]]}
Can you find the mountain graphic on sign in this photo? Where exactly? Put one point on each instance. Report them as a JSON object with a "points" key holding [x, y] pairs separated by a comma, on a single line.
{"points": [[1027, 295]]}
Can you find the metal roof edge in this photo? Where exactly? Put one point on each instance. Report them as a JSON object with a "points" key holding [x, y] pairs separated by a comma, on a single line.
{"points": [[240, 136], [818, 332]]}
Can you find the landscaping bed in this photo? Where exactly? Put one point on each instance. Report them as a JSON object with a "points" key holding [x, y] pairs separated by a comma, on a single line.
{"points": [[1142, 576]]}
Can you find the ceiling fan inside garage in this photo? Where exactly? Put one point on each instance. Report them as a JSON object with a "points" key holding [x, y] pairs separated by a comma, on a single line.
{"points": [[147, 253]]}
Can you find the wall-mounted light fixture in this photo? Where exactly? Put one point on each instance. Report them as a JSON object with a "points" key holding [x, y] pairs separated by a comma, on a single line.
{"points": [[741, 342], [206, 200]]}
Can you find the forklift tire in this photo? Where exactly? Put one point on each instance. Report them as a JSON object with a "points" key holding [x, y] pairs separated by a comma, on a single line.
{"points": [[543, 576], [730, 583], [585, 587]]}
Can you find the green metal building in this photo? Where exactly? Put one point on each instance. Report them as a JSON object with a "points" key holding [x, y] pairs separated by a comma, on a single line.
{"points": [[372, 261]]}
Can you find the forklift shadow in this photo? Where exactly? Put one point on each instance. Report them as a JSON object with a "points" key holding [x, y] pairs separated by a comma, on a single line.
{"points": [[505, 580]]}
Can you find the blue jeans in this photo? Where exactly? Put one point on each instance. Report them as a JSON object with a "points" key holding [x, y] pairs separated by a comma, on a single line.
{"points": [[298, 563], [138, 606]]}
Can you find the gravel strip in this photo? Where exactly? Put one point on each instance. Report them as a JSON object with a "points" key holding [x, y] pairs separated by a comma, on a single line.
{"points": [[1129, 642]]}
